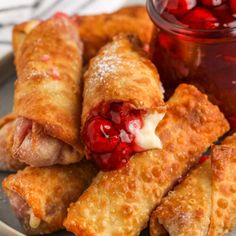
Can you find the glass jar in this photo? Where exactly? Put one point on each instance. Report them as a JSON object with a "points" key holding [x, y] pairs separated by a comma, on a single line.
{"points": [[205, 58]]}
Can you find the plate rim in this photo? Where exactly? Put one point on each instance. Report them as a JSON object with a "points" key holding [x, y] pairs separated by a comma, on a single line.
{"points": [[9, 230]]}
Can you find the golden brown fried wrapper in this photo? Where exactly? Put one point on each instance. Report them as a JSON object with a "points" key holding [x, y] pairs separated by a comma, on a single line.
{"points": [[204, 203], [19, 33], [7, 126], [97, 30], [223, 217], [121, 72], [186, 209], [120, 202], [40, 196], [48, 88]]}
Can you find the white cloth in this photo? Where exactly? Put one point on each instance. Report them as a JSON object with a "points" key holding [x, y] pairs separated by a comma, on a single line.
{"points": [[16, 11]]}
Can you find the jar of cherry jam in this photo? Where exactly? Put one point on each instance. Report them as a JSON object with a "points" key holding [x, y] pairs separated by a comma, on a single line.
{"points": [[194, 41]]}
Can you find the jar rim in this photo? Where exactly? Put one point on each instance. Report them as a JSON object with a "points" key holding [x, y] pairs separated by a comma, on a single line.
{"points": [[159, 21]]}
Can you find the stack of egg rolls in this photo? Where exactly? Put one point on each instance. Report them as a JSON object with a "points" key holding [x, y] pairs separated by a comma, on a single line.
{"points": [[7, 126], [46, 131], [120, 202], [132, 19], [47, 99], [204, 203], [40, 196]]}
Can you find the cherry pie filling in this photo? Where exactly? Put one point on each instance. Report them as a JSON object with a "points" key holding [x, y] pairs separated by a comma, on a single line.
{"points": [[201, 14], [115, 131], [207, 62]]}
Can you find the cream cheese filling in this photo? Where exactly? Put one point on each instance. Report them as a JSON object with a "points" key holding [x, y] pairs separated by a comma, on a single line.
{"points": [[34, 221], [146, 137]]}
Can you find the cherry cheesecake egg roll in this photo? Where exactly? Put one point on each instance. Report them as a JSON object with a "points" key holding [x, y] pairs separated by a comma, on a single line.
{"points": [[187, 208], [7, 126], [204, 203], [40, 196], [122, 103], [20, 31], [223, 216], [132, 19], [96, 30], [120, 202], [47, 98]]}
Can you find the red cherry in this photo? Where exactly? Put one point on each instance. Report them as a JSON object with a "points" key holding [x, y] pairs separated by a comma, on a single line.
{"points": [[223, 14], [100, 136], [212, 3], [108, 137], [233, 6], [115, 160], [122, 114], [200, 18], [180, 7], [117, 112], [132, 122], [166, 41]]}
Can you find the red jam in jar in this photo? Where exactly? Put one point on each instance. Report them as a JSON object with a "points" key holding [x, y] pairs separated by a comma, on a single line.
{"points": [[194, 41], [107, 136]]}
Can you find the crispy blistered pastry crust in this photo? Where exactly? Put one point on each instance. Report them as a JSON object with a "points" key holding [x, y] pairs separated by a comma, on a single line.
{"points": [[132, 19], [120, 202], [97, 30], [204, 203], [7, 126], [48, 191], [19, 33], [121, 72], [187, 208], [223, 217], [48, 88], [230, 141], [6, 119]]}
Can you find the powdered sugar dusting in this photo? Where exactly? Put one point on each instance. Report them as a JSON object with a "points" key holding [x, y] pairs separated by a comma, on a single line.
{"points": [[109, 62]]}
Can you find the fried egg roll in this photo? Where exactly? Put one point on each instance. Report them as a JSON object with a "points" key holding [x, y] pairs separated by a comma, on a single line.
{"points": [[133, 19], [120, 202], [204, 203], [7, 163], [126, 106], [187, 208], [40, 196], [223, 218], [47, 98], [96, 30], [19, 33]]}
